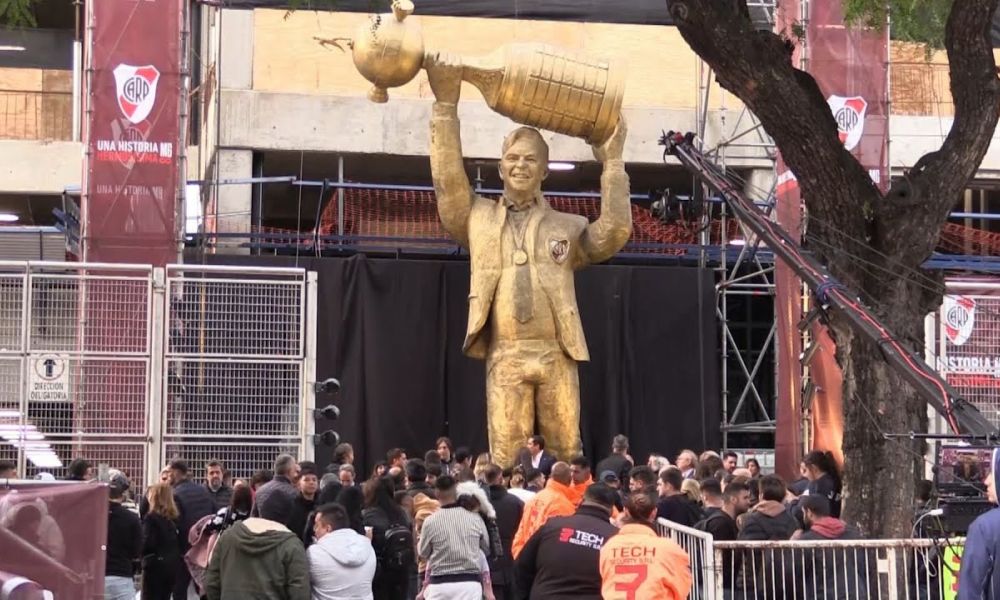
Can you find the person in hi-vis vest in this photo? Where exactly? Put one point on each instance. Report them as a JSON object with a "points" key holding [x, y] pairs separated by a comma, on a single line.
{"points": [[523, 316]]}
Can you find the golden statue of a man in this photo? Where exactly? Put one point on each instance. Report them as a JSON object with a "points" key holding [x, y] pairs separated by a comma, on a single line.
{"points": [[523, 317]]}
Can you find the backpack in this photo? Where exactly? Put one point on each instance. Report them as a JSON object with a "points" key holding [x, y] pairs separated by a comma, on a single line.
{"points": [[702, 525], [397, 551]]}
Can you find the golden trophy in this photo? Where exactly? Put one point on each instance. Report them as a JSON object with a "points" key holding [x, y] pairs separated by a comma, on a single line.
{"points": [[533, 84], [523, 318]]}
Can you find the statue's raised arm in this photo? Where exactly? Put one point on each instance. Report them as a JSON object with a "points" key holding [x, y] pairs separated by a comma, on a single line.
{"points": [[451, 184], [609, 233]]}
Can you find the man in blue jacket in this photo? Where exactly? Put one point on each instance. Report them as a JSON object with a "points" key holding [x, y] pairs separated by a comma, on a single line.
{"points": [[979, 578]]}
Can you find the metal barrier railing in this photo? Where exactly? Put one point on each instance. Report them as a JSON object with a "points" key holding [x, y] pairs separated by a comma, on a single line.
{"points": [[36, 115], [698, 546], [915, 569], [836, 569]]}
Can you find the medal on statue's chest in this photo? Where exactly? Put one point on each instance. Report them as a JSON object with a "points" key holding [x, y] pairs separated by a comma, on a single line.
{"points": [[518, 229]]}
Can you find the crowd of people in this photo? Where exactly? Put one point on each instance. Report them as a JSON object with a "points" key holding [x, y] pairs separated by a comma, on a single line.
{"points": [[451, 525]]}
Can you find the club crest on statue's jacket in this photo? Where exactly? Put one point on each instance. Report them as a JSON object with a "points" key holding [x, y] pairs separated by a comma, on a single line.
{"points": [[559, 249]]}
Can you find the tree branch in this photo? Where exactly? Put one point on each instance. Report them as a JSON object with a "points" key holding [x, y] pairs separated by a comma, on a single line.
{"points": [[923, 199], [757, 68]]}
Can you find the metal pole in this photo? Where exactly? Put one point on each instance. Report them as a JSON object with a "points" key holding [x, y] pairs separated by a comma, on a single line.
{"points": [[180, 193], [26, 315], [308, 376], [258, 197], [340, 195], [77, 70], [156, 409]]}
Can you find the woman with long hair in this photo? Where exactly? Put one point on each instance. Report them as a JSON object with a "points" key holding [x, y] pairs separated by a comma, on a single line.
{"points": [[378, 470], [482, 462], [389, 523], [824, 479], [353, 500], [161, 551], [238, 510], [693, 491]]}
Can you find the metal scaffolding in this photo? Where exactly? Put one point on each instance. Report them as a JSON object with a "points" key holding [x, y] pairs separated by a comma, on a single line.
{"points": [[748, 369]]}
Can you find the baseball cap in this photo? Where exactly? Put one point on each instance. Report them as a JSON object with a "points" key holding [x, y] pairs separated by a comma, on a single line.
{"points": [[118, 483], [608, 476]]}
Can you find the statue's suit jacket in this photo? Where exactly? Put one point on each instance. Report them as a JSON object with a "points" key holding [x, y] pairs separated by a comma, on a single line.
{"points": [[554, 241], [559, 242]]}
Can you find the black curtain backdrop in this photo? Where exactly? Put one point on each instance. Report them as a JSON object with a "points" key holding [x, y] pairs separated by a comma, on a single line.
{"points": [[391, 330]]}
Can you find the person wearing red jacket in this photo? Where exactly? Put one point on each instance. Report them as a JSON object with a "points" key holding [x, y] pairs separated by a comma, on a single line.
{"points": [[637, 564]]}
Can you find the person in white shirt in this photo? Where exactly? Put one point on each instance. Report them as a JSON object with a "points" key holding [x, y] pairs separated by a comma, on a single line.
{"points": [[341, 562]]}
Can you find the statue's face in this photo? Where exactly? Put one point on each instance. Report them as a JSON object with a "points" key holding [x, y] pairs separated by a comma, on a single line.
{"points": [[522, 168]]}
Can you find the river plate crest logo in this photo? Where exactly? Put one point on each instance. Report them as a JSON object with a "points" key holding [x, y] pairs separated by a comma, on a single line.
{"points": [[136, 90], [959, 318], [849, 113]]}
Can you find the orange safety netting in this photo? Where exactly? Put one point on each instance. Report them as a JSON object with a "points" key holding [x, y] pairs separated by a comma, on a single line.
{"points": [[405, 217], [412, 215], [959, 239]]}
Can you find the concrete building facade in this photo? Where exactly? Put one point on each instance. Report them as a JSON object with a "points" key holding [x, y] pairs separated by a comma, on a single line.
{"points": [[273, 101]]}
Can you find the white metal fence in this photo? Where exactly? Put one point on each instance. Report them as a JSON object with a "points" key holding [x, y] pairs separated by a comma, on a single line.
{"points": [[968, 344], [698, 546], [133, 366], [912, 569]]}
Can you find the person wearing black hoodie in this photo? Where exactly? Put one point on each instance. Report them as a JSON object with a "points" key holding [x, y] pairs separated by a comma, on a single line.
{"points": [[721, 524], [769, 520], [161, 554], [416, 479], [509, 509], [824, 480], [850, 576], [385, 516], [193, 503], [674, 505], [618, 461], [124, 545], [306, 500], [561, 561], [352, 499]]}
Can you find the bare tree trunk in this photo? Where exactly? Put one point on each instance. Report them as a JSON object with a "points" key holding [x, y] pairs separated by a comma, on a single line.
{"points": [[881, 475], [873, 244]]}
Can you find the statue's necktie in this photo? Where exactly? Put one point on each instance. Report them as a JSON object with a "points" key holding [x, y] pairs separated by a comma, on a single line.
{"points": [[523, 305]]}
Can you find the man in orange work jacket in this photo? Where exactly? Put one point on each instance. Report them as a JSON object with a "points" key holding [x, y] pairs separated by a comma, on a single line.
{"points": [[637, 564], [579, 470], [558, 499]]}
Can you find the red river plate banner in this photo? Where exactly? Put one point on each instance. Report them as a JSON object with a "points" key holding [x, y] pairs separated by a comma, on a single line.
{"points": [[850, 65], [132, 140]]}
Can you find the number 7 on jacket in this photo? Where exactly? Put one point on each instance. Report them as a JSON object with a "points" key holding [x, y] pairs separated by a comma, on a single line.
{"points": [[640, 572]]}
